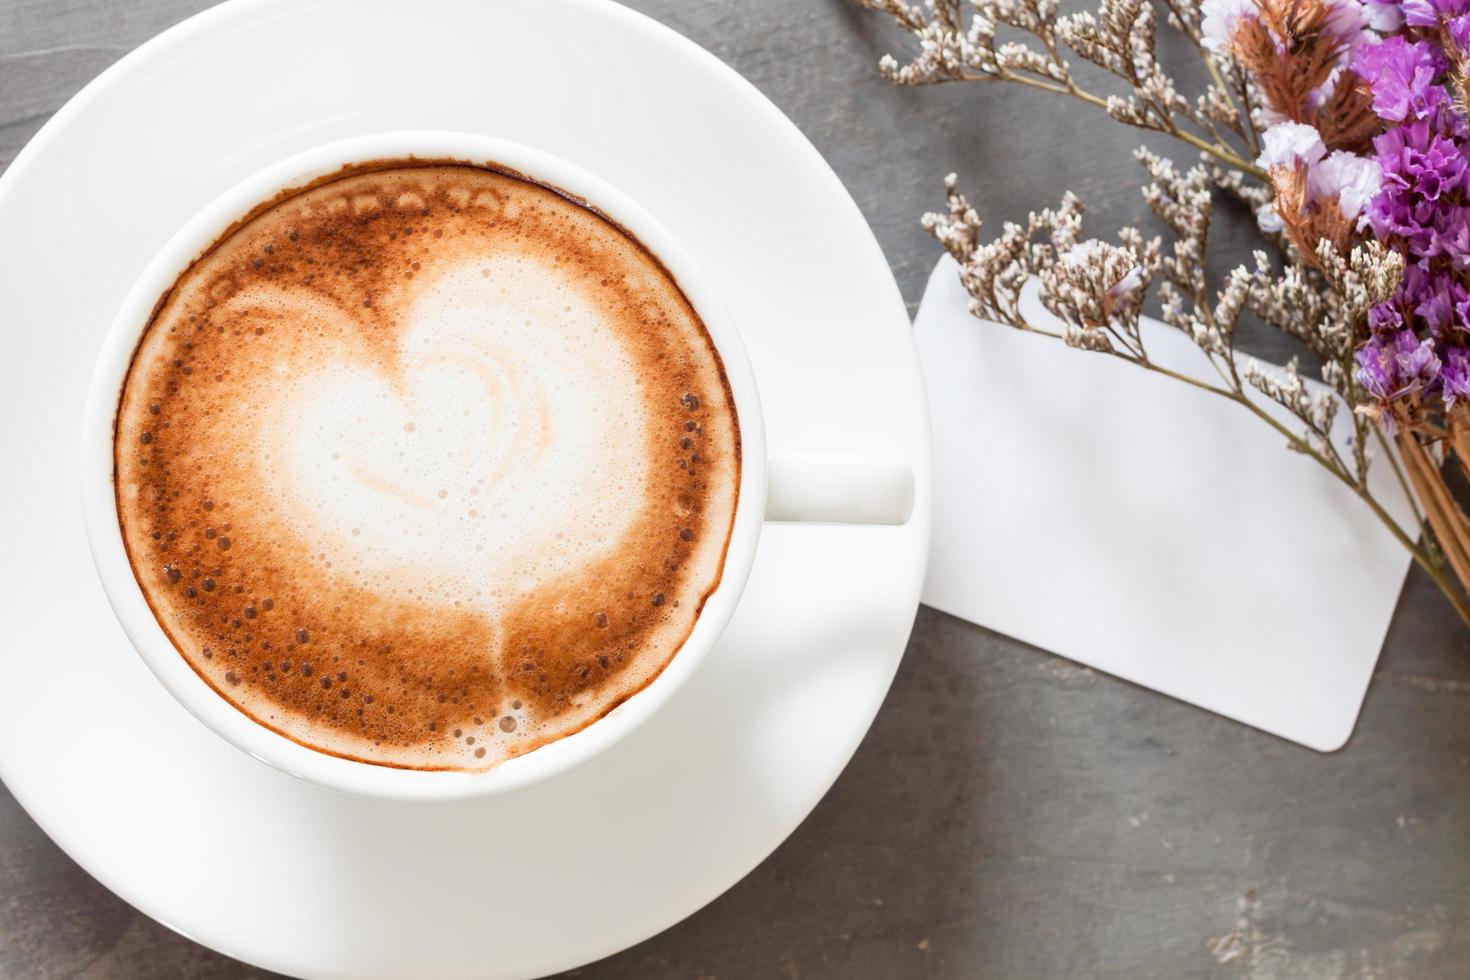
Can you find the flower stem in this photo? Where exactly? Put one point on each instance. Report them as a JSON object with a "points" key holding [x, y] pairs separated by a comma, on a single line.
{"points": [[1445, 517], [1219, 81], [1220, 152], [1398, 472]]}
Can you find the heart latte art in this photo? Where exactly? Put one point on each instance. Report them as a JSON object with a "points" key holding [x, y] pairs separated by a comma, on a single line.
{"points": [[426, 465]]}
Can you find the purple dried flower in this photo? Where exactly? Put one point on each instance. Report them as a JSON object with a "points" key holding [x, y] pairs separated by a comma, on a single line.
{"points": [[1462, 315], [1392, 366], [1451, 236], [1401, 75], [1459, 28], [1385, 317], [1419, 168], [1428, 13], [1454, 375], [1376, 371], [1398, 365], [1417, 363], [1438, 298]]}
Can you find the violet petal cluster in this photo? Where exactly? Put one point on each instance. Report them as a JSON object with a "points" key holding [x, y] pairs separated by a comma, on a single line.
{"points": [[1431, 13], [1401, 74], [1420, 338]]}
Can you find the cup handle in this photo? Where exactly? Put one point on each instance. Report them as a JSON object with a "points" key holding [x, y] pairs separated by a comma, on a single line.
{"points": [[837, 488]]}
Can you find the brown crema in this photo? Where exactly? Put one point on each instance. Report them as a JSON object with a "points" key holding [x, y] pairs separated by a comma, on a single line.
{"points": [[426, 465]]}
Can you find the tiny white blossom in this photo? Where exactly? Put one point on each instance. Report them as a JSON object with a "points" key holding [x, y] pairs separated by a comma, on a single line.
{"points": [[1130, 283], [1289, 143], [1094, 254], [1079, 255], [1352, 179], [1220, 20], [1268, 220]]}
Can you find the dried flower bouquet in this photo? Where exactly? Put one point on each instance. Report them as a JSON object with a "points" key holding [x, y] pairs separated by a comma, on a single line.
{"points": [[1342, 125]]}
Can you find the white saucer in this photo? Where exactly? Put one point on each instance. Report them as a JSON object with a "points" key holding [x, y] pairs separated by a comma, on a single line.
{"points": [[273, 871]]}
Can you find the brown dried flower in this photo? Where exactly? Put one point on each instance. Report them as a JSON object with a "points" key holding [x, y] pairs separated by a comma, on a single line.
{"points": [[1294, 51]]}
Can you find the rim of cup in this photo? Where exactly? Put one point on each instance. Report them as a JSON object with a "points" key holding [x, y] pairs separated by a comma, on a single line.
{"points": [[126, 596]]}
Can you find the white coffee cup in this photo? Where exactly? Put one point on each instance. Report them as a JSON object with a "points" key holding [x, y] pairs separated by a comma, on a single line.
{"points": [[789, 487]]}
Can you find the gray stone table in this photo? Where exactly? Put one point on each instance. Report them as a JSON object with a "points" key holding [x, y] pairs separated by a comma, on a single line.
{"points": [[1010, 814]]}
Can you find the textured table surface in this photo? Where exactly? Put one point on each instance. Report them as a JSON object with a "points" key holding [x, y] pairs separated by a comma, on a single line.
{"points": [[1010, 814]]}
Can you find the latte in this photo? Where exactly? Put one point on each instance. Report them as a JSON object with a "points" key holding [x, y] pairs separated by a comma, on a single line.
{"points": [[426, 465]]}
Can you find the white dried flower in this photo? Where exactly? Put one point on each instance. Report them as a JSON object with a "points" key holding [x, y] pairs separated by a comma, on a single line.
{"points": [[1384, 16], [1094, 285], [1288, 144], [1351, 179], [1220, 20], [1346, 20]]}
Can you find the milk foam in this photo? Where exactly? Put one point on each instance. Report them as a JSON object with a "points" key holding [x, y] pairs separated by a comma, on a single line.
{"points": [[498, 455], [427, 466]]}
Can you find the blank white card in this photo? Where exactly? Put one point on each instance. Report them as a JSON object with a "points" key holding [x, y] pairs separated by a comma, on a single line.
{"points": [[1148, 529]]}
